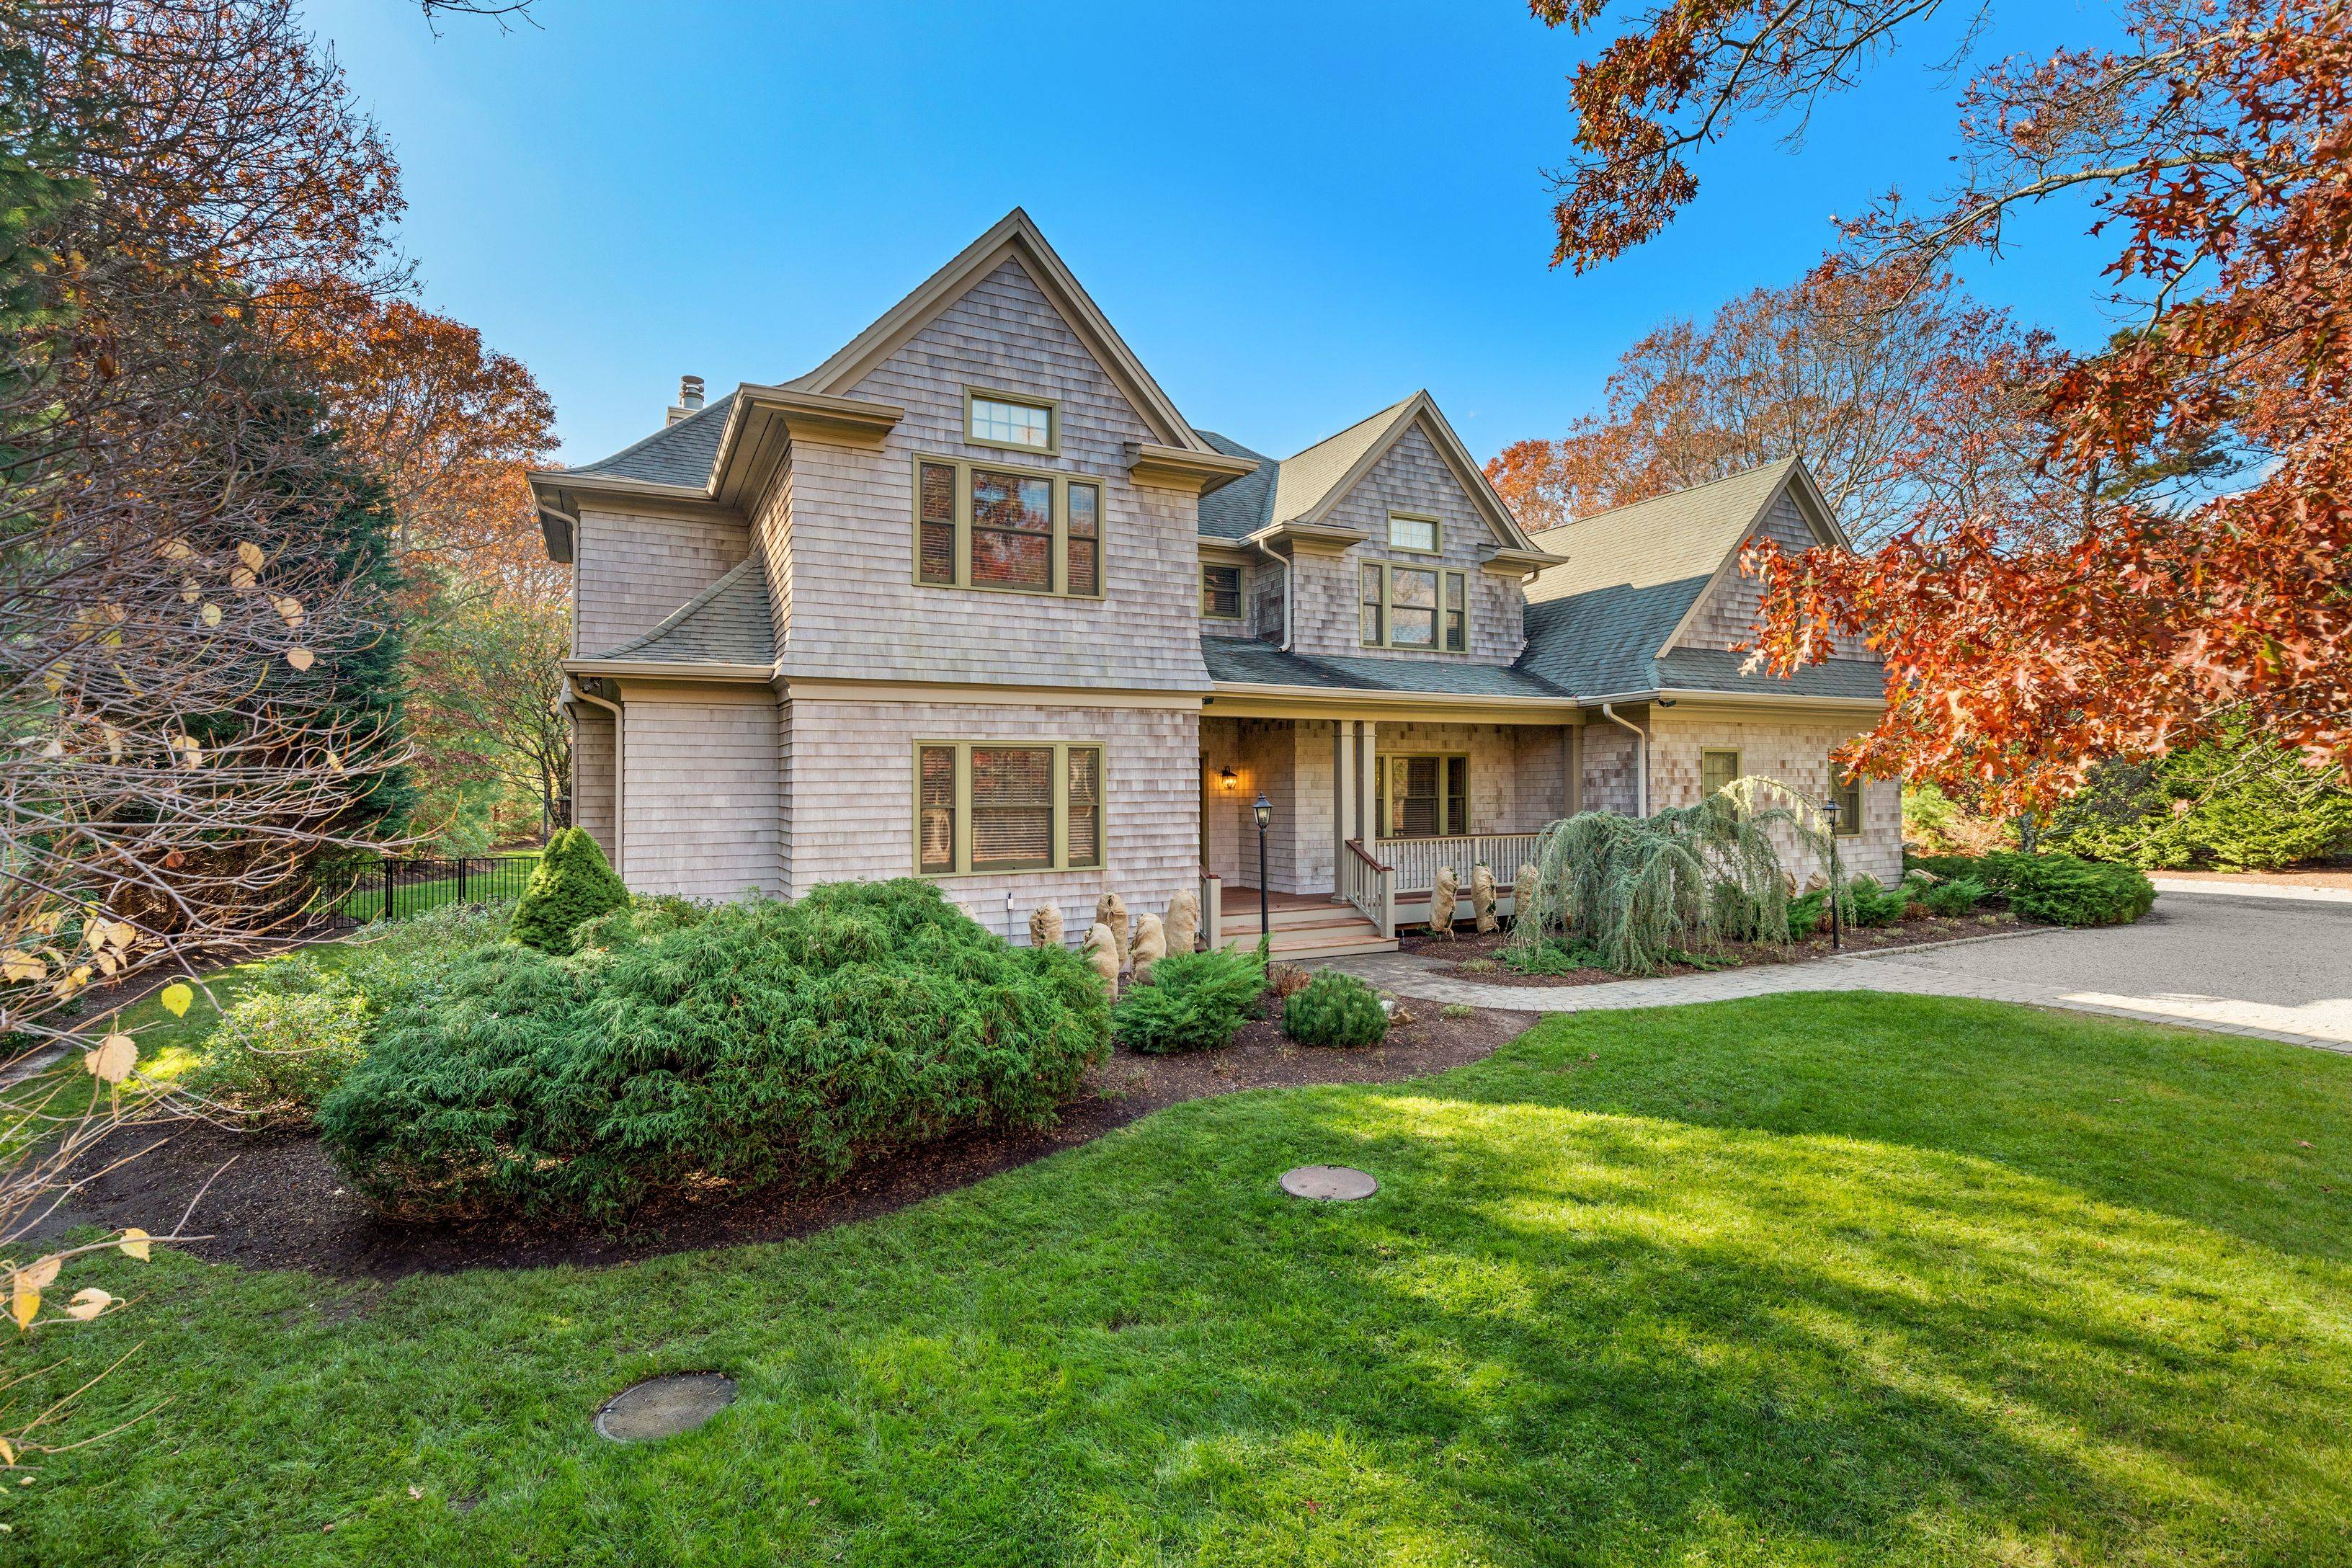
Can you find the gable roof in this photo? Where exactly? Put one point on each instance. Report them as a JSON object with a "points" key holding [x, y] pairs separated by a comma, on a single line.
{"points": [[1240, 509], [726, 624], [1013, 237], [1604, 623]]}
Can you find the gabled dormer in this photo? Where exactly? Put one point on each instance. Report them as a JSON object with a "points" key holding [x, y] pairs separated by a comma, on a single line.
{"points": [[1384, 541]]}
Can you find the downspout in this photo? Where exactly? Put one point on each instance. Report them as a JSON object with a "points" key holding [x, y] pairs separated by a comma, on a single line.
{"points": [[1641, 759], [1288, 582], [620, 811]]}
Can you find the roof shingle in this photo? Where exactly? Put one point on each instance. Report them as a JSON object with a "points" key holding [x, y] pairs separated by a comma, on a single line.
{"points": [[727, 623]]}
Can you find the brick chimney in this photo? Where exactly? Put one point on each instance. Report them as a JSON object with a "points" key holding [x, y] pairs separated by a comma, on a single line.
{"points": [[690, 398]]}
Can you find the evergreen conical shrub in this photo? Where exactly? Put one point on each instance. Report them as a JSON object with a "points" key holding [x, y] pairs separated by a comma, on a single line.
{"points": [[572, 884]]}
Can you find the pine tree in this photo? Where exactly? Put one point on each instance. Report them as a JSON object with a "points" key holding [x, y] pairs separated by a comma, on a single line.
{"points": [[573, 885]]}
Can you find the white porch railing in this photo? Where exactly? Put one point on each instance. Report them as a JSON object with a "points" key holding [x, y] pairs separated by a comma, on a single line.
{"points": [[1416, 861], [1370, 886]]}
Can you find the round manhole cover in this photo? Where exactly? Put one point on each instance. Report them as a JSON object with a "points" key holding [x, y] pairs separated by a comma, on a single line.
{"points": [[1337, 1183], [664, 1407]]}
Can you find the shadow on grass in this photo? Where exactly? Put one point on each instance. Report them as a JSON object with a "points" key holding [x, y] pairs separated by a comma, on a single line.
{"points": [[1594, 1316]]}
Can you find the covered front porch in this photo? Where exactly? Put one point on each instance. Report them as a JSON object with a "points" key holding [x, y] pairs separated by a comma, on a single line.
{"points": [[1365, 810]]}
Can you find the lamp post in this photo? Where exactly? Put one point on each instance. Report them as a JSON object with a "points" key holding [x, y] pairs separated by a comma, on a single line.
{"points": [[1830, 811], [1262, 810]]}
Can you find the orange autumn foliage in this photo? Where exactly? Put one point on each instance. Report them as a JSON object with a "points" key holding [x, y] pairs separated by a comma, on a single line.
{"points": [[2028, 636]]}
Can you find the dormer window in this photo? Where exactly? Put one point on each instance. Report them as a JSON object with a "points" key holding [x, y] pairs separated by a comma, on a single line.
{"points": [[1007, 419]]}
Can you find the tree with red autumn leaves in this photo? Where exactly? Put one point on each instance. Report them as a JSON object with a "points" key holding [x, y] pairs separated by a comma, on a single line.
{"points": [[2025, 640], [1896, 396]]}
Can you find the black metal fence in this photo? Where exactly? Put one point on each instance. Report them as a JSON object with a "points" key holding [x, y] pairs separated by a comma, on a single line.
{"points": [[401, 890]]}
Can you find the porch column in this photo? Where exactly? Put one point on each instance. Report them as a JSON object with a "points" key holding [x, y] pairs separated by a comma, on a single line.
{"points": [[1343, 785], [1572, 748], [1365, 764]]}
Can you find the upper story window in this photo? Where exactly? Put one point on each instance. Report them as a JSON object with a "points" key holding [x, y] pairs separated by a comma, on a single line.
{"points": [[1007, 419], [1416, 608], [1022, 530], [1410, 531], [1221, 592]]}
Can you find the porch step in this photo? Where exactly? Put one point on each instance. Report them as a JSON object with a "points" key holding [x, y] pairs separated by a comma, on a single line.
{"points": [[1240, 915], [1328, 930]]}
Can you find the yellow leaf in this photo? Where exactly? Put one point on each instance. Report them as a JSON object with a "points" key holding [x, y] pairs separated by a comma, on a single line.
{"points": [[7, 1453], [211, 614], [175, 549], [113, 744], [300, 657], [334, 763], [250, 554], [177, 999], [93, 932], [112, 1060], [121, 934], [189, 592], [88, 1302], [107, 964], [74, 982], [39, 1275], [240, 578], [19, 965], [134, 1243], [290, 610], [24, 1303]]}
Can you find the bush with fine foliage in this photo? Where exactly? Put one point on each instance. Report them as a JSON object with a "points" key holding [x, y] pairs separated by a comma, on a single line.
{"points": [[1956, 896], [2063, 890], [1194, 1002], [1870, 903], [769, 1044], [572, 884], [1335, 1009], [307, 1018]]}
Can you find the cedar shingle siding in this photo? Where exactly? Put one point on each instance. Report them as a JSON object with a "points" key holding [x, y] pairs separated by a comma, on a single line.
{"points": [[776, 661]]}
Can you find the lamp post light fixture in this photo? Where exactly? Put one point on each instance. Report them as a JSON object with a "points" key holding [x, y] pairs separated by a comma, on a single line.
{"points": [[1263, 809], [1831, 812]]}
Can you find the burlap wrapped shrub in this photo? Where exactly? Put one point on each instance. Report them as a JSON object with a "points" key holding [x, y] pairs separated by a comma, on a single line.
{"points": [[1482, 896], [1442, 900], [1102, 954], [1110, 909], [1150, 945], [1183, 922], [1045, 926]]}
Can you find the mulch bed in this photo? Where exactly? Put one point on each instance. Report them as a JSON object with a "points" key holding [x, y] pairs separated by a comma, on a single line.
{"points": [[283, 1204], [1469, 945]]}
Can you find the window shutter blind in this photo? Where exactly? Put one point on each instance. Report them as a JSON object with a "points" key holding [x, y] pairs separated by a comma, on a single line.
{"points": [[1085, 546], [1085, 807], [935, 544], [1012, 806], [936, 808]]}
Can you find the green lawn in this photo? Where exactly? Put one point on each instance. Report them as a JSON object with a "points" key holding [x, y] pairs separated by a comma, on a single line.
{"points": [[1850, 1279]]}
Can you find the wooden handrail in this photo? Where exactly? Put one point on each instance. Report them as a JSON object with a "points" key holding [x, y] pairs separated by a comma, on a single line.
{"points": [[1365, 856], [1207, 875]]}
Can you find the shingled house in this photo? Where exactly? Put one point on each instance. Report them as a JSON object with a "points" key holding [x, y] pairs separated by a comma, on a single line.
{"points": [[972, 600]]}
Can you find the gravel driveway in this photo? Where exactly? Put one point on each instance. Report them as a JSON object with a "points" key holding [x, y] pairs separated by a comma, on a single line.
{"points": [[2273, 967]]}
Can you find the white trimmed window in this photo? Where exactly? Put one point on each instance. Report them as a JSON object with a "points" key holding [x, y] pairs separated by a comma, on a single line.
{"points": [[988, 805]]}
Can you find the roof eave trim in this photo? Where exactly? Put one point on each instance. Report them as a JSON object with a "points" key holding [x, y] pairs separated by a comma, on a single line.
{"points": [[1382, 694], [1709, 694], [668, 670], [1180, 468], [1328, 536], [546, 482]]}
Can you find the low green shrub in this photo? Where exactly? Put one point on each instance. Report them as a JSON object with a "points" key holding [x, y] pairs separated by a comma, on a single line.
{"points": [[1945, 867], [1552, 957], [1869, 902], [1194, 1002], [1809, 914], [307, 1018], [644, 917], [2233, 804], [1457, 1010], [571, 885], [770, 1043], [1956, 896], [2060, 889], [274, 1054], [1335, 1009]]}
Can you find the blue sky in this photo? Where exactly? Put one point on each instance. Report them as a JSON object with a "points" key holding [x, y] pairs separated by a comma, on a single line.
{"points": [[1296, 214]]}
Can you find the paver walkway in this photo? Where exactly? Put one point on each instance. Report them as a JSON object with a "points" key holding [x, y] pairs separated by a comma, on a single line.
{"points": [[2275, 968]]}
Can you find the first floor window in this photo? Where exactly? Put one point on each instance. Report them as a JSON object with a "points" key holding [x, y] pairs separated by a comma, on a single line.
{"points": [[1849, 799], [1221, 592], [1415, 607], [1717, 769], [1422, 796], [1008, 806], [987, 525]]}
